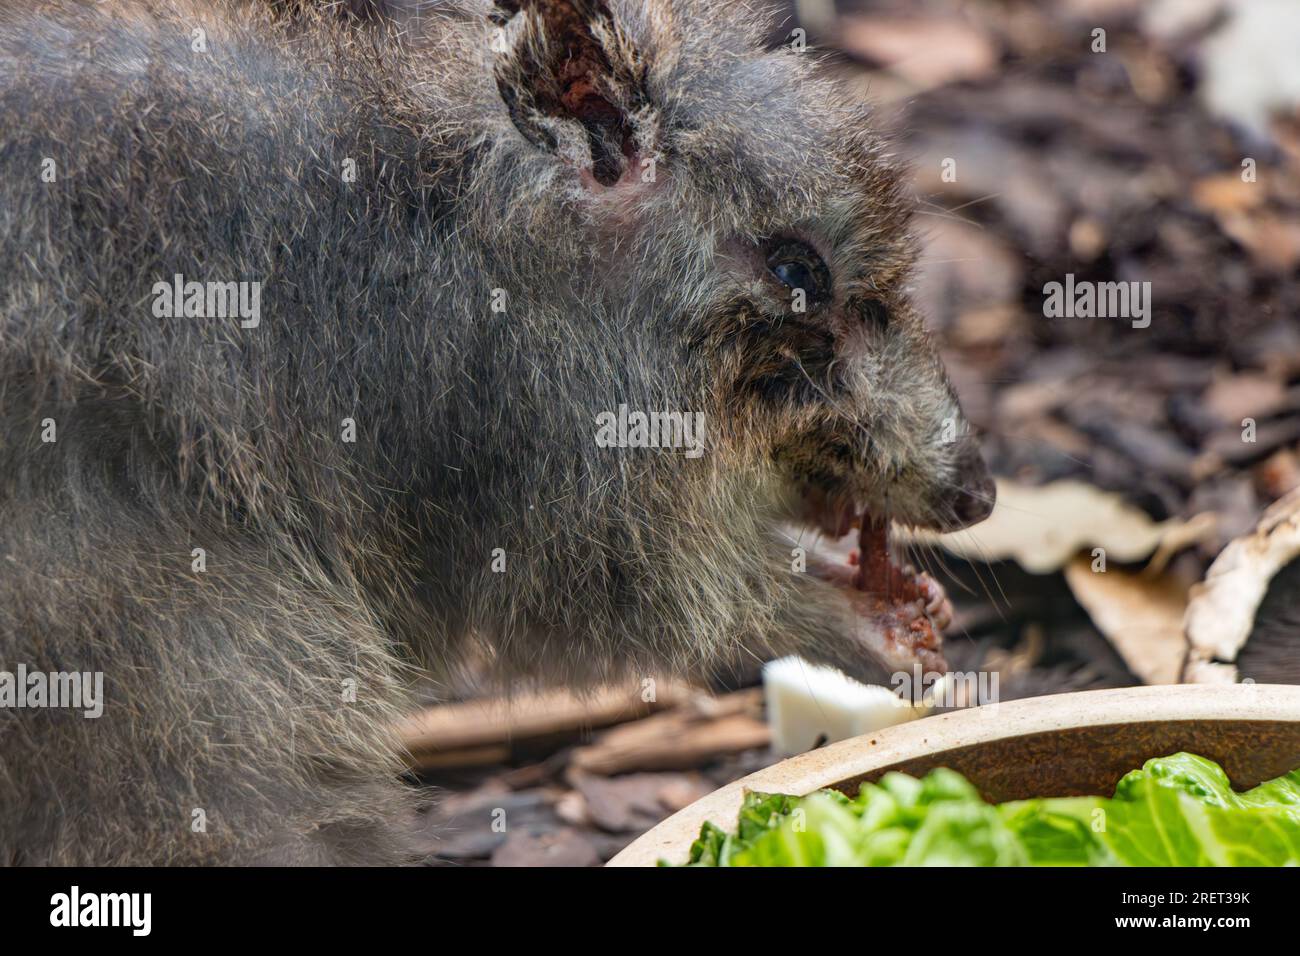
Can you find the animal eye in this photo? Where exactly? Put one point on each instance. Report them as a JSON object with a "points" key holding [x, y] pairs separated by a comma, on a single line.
{"points": [[796, 266]]}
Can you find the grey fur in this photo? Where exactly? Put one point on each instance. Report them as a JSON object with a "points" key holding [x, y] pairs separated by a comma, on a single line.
{"points": [[330, 561]]}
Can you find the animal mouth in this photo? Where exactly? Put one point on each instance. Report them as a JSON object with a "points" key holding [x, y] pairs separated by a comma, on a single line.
{"points": [[903, 611]]}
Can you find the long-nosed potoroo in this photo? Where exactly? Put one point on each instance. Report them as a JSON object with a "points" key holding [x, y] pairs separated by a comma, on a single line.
{"points": [[333, 346]]}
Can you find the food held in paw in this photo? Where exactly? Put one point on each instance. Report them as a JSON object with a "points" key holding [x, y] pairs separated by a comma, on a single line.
{"points": [[911, 607]]}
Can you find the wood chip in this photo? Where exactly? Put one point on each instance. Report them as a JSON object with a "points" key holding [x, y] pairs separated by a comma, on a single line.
{"points": [[677, 739], [925, 51], [487, 731], [1140, 614], [561, 848], [1221, 612]]}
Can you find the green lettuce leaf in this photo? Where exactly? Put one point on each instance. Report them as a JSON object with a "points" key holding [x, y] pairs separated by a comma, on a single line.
{"points": [[1182, 811], [1179, 810]]}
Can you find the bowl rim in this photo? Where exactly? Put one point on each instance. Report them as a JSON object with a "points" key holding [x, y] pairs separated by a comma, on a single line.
{"points": [[858, 756]]}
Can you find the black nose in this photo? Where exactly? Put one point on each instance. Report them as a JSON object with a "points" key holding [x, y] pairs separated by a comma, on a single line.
{"points": [[976, 493]]}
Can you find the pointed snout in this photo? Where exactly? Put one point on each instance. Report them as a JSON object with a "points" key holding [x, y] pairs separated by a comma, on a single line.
{"points": [[974, 491]]}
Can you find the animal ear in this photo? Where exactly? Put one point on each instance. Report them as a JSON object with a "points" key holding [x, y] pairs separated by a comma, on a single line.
{"points": [[572, 80]]}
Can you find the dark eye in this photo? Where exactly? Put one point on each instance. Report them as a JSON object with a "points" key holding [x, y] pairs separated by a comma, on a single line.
{"points": [[797, 266]]}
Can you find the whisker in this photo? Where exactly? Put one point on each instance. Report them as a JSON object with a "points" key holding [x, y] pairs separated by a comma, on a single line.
{"points": [[974, 202]]}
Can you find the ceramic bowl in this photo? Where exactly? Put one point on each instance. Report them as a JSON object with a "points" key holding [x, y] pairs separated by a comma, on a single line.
{"points": [[1063, 745]]}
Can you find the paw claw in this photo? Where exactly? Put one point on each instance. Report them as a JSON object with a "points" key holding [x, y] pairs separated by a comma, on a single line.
{"points": [[937, 605]]}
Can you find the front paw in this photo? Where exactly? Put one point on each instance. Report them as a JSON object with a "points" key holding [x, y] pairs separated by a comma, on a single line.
{"points": [[937, 606], [895, 619], [902, 634]]}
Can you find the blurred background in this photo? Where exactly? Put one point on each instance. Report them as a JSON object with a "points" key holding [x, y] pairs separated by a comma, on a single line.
{"points": [[1153, 141]]}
